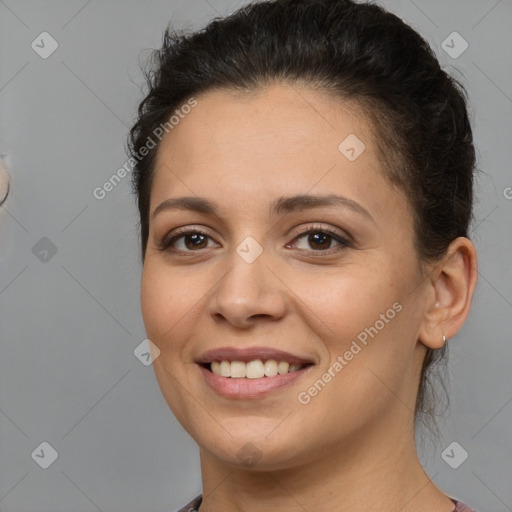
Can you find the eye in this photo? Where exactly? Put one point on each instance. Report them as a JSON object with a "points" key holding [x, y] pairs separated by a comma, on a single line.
{"points": [[321, 239], [186, 240], [318, 238]]}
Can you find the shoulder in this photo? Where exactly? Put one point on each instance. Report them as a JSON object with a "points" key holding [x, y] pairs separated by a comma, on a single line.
{"points": [[194, 505]]}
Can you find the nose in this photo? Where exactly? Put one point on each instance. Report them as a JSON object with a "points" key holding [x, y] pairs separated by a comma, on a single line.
{"points": [[249, 293]]}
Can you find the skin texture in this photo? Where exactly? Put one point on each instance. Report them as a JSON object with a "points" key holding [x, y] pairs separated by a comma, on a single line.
{"points": [[351, 448]]}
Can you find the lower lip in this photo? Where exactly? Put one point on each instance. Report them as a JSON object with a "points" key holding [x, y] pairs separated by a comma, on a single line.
{"points": [[244, 388]]}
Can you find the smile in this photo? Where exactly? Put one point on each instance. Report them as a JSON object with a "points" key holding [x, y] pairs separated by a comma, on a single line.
{"points": [[255, 369]]}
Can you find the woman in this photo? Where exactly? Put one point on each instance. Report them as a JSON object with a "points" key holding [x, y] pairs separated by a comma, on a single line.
{"points": [[304, 175]]}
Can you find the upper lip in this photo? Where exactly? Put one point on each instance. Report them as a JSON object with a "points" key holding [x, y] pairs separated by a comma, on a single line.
{"points": [[249, 354]]}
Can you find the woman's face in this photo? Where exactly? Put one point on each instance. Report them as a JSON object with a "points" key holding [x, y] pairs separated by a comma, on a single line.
{"points": [[281, 271]]}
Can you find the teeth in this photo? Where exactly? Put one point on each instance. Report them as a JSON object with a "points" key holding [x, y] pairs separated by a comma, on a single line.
{"points": [[270, 368], [225, 369], [255, 369], [283, 367], [238, 369]]}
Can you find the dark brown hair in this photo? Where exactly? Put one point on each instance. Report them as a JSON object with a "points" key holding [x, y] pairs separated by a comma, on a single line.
{"points": [[358, 52]]}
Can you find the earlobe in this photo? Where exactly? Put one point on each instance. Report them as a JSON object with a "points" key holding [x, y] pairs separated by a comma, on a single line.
{"points": [[452, 281]]}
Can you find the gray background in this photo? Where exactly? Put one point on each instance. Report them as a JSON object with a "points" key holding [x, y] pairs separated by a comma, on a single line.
{"points": [[70, 321]]}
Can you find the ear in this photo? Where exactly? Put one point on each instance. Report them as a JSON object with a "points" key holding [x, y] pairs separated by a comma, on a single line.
{"points": [[452, 283]]}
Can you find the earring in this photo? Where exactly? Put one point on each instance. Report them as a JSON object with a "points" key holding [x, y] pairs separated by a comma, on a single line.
{"points": [[444, 338]]}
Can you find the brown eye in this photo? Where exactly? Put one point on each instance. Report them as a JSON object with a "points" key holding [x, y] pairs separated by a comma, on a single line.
{"points": [[195, 241], [186, 241], [320, 240]]}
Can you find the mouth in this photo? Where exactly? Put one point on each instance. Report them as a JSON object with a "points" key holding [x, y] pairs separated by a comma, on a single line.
{"points": [[252, 363], [254, 369], [251, 373]]}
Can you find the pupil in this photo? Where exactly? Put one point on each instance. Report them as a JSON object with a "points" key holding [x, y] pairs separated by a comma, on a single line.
{"points": [[321, 239], [196, 240]]}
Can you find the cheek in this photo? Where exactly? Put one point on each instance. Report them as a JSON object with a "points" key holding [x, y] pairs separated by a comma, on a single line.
{"points": [[168, 300], [152, 299], [360, 317], [167, 305], [372, 325], [347, 300]]}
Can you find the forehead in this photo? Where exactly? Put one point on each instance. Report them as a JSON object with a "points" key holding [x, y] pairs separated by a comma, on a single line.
{"points": [[265, 118], [281, 140]]}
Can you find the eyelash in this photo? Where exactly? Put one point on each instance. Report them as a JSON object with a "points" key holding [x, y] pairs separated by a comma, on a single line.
{"points": [[166, 244]]}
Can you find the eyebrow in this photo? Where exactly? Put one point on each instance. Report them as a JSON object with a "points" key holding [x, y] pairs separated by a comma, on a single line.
{"points": [[279, 206]]}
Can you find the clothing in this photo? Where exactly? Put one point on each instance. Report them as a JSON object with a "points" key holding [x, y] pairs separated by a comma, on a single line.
{"points": [[193, 506]]}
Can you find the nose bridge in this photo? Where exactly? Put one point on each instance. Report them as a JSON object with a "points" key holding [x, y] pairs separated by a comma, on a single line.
{"points": [[249, 289]]}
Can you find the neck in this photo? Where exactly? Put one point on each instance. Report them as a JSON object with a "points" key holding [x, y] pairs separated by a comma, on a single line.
{"points": [[382, 473]]}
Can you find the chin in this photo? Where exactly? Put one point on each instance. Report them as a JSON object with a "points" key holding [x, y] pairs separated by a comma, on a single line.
{"points": [[253, 454]]}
